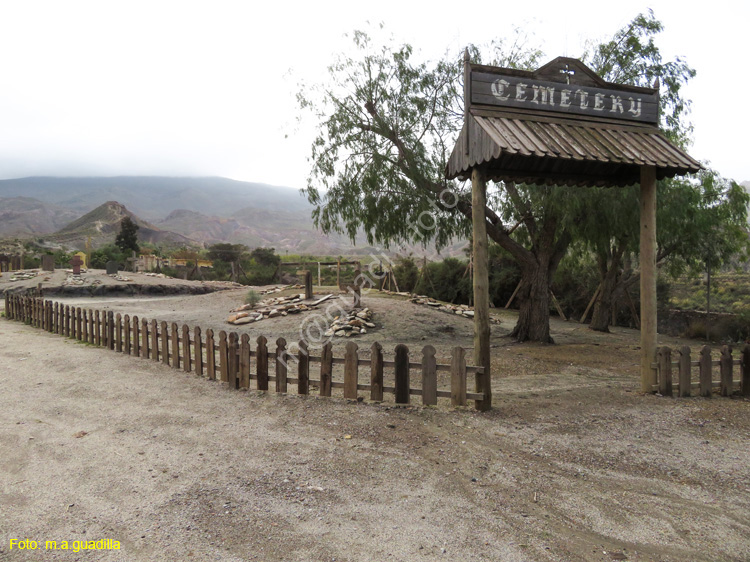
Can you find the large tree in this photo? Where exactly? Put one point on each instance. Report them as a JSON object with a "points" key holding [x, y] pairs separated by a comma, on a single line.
{"points": [[387, 125], [127, 238]]}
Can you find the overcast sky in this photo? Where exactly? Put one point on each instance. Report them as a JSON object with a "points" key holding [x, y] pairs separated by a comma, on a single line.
{"points": [[207, 88]]}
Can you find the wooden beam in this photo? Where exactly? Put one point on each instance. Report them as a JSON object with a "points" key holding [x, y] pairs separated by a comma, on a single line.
{"points": [[481, 290], [648, 277]]}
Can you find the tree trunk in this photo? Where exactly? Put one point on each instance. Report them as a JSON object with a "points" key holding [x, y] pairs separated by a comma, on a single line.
{"points": [[609, 267], [534, 300]]}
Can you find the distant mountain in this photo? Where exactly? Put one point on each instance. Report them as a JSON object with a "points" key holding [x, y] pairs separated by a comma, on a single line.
{"points": [[26, 216], [153, 198], [103, 224]]}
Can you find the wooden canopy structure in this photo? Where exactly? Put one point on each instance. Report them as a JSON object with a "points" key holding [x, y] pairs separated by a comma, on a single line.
{"points": [[562, 125]]}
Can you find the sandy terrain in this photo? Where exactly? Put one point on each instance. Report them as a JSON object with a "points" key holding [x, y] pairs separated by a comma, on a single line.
{"points": [[571, 464]]}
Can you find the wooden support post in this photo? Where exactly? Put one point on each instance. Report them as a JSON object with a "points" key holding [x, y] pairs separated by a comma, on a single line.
{"points": [[281, 366], [351, 370], [210, 355], [685, 368], [481, 289], [376, 372], [402, 374], [326, 369], [665, 371], [648, 277], [186, 355], [175, 337], [727, 368], [262, 363], [705, 371], [245, 362], [429, 376], [303, 368], [513, 296], [458, 376], [198, 351]]}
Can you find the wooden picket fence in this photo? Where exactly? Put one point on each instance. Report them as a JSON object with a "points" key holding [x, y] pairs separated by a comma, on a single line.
{"points": [[232, 357], [705, 383]]}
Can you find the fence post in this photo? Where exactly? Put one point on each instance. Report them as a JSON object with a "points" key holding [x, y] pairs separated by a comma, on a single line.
{"points": [[175, 336], [67, 321], [664, 359], [79, 320], [245, 361], [351, 371], [97, 329], [458, 376], [164, 342], [429, 376], [92, 325], [727, 369], [402, 374], [85, 325], [111, 329], [198, 351], [262, 363], [745, 373], [136, 337], [705, 371], [186, 356], [303, 368], [155, 341], [210, 355], [126, 334], [144, 339], [118, 333], [281, 366], [326, 369], [223, 367], [232, 362], [8, 313], [684, 377], [376, 372]]}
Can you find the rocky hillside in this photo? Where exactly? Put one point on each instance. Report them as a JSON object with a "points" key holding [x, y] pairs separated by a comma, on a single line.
{"points": [[103, 223], [25, 216]]}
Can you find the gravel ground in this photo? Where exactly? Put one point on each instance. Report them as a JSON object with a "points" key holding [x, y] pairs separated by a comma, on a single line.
{"points": [[571, 464]]}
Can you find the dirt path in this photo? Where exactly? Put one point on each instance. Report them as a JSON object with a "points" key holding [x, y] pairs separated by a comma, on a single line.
{"points": [[572, 464]]}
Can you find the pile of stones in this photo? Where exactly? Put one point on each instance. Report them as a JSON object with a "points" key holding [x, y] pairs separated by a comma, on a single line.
{"points": [[23, 275], [271, 308], [457, 309], [354, 323]]}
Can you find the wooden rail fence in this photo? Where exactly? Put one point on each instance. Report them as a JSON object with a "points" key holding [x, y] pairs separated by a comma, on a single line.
{"points": [[231, 357], [705, 383]]}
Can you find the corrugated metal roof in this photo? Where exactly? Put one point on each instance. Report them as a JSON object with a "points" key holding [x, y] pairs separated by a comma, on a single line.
{"points": [[536, 149]]}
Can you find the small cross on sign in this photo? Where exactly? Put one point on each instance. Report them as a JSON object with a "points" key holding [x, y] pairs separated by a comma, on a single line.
{"points": [[568, 72]]}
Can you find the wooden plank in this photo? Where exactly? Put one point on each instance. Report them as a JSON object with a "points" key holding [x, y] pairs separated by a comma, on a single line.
{"points": [[136, 345], [402, 374], [55, 313], [79, 322], [303, 369], [210, 355], [186, 353], [745, 371], [326, 369], [351, 370], [175, 340], [705, 371], [429, 376], [684, 376], [223, 348], [84, 326], [458, 376], [664, 358], [198, 351], [126, 334], [97, 329], [245, 361], [118, 332], [164, 342], [154, 340], [92, 327], [262, 363], [111, 330], [376, 372], [281, 366], [144, 339], [726, 370]]}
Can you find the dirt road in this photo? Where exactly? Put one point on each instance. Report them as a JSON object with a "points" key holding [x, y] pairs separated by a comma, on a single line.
{"points": [[572, 463]]}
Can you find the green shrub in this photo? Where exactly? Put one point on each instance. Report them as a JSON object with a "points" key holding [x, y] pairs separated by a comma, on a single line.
{"points": [[252, 298]]}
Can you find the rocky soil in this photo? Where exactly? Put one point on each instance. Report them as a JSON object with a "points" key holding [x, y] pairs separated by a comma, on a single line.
{"points": [[572, 463]]}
